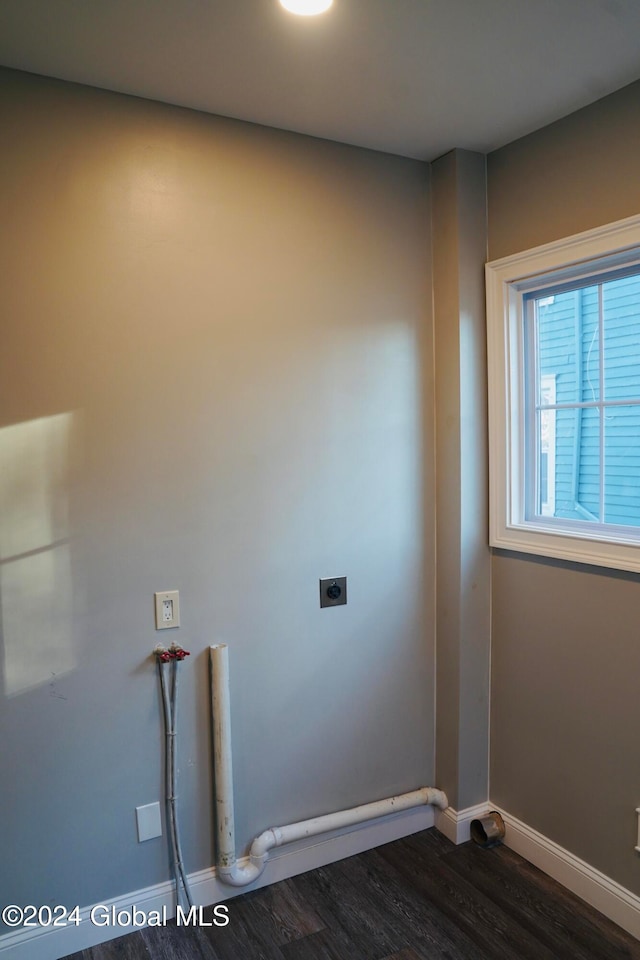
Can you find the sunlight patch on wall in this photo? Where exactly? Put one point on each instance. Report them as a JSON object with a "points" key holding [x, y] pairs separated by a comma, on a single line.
{"points": [[36, 590]]}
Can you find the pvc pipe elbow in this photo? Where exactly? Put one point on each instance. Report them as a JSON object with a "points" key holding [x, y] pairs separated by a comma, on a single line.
{"points": [[438, 798], [262, 844], [237, 876]]}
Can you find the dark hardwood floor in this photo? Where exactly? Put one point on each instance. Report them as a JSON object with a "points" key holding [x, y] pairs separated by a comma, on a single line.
{"points": [[421, 898]]}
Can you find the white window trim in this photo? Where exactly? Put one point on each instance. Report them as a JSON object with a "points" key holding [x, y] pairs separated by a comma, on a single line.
{"points": [[581, 255]]}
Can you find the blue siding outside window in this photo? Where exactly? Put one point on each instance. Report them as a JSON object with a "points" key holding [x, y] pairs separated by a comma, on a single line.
{"points": [[568, 347]]}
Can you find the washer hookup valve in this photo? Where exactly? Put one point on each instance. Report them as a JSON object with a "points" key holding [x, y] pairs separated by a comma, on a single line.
{"points": [[175, 652]]}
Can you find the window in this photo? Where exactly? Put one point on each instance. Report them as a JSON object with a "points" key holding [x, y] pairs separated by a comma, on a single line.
{"points": [[564, 400]]}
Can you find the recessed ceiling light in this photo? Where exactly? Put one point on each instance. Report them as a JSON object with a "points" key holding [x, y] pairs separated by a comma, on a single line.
{"points": [[306, 8]]}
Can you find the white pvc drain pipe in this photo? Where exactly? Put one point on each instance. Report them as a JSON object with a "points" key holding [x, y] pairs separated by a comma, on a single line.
{"points": [[228, 869]]}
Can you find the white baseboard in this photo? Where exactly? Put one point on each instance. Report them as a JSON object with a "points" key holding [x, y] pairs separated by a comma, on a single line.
{"points": [[51, 943], [454, 824], [607, 896], [610, 898]]}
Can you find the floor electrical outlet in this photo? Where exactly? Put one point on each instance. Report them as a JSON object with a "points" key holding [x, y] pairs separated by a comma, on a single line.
{"points": [[149, 822], [167, 609]]}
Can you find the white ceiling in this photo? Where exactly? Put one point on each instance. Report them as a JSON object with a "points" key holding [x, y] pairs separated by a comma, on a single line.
{"points": [[412, 77]]}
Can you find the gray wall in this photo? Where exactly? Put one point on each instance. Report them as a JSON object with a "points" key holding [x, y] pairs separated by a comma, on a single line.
{"points": [[215, 376], [565, 755]]}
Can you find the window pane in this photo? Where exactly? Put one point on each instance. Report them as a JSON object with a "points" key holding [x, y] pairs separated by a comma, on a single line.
{"points": [[621, 312], [568, 478], [547, 463], [588, 465], [589, 333], [568, 344], [622, 465]]}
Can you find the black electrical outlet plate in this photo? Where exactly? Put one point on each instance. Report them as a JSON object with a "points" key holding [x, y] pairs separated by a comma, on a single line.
{"points": [[333, 591]]}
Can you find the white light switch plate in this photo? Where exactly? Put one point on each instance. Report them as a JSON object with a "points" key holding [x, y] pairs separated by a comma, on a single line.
{"points": [[149, 822]]}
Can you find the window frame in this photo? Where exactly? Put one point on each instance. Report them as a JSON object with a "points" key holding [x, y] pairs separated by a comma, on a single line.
{"points": [[508, 280]]}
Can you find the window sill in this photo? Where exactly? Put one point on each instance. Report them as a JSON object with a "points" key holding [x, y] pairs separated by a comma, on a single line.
{"points": [[617, 553]]}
